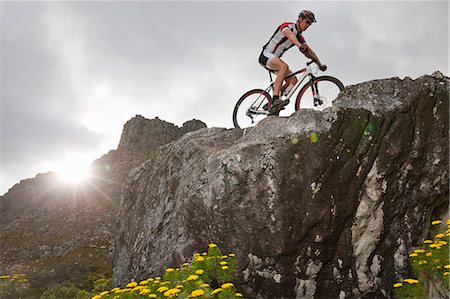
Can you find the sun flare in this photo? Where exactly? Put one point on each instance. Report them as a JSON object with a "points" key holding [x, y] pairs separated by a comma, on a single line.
{"points": [[73, 171]]}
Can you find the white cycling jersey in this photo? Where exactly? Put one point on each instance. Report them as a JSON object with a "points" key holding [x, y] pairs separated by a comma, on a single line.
{"points": [[279, 43]]}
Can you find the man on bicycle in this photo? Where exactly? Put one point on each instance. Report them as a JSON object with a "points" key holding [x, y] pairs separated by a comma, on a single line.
{"points": [[286, 36]]}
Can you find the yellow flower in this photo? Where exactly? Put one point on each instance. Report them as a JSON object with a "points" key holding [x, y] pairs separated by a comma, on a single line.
{"points": [[185, 264], [411, 281], [227, 285], [223, 263], [171, 292], [138, 288], [419, 251], [179, 286], [153, 296], [204, 285], [437, 246], [216, 291], [170, 270], [96, 297], [422, 262], [398, 285], [442, 242], [224, 257], [200, 259], [238, 295], [204, 254], [4, 276], [439, 236], [144, 292], [192, 277], [429, 254], [199, 272], [162, 289], [132, 284], [197, 293], [212, 245], [232, 255], [224, 267], [104, 293], [144, 282], [413, 255], [428, 242], [447, 266], [438, 267], [157, 278], [436, 222], [446, 273]]}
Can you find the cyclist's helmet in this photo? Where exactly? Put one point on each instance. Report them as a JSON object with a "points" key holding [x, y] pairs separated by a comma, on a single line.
{"points": [[307, 14]]}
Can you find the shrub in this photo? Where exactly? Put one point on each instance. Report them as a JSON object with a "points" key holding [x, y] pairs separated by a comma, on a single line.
{"points": [[431, 266], [13, 286], [208, 275]]}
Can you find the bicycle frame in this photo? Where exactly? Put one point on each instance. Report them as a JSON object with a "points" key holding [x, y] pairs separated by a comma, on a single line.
{"points": [[307, 71]]}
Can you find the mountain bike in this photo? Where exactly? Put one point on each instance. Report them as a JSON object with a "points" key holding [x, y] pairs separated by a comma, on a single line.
{"points": [[316, 93]]}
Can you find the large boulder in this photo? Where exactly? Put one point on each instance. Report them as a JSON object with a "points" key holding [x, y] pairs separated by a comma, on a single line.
{"points": [[321, 204]]}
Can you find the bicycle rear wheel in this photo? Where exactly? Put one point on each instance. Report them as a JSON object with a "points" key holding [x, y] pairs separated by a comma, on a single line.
{"points": [[251, 108], [328, 89]]}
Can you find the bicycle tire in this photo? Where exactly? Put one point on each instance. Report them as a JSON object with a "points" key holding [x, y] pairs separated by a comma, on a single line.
{"points": [[334, 81], [261, 92]]}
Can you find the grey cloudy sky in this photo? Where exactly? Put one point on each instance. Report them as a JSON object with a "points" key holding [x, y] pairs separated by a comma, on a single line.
{"points": [[72, 73]]}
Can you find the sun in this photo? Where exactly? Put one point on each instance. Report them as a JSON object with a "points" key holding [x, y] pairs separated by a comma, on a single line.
{"points": [[73, 170]]}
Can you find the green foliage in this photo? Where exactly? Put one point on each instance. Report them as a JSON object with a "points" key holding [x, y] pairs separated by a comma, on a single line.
{"points": [[102, 284], [13, 286], [208, 275], [60, 292], [431, 265]]}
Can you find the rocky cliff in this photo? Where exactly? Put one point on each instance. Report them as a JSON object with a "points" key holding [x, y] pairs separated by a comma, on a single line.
{"points": [[321, 204], [59, 233]]}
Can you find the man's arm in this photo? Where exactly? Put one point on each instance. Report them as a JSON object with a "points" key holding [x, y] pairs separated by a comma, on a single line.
{"points": [[312, 54], [304, 48], [291, 36]]}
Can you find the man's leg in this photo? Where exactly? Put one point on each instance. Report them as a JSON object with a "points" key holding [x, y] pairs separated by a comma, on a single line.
{"points": [[282, 71]]}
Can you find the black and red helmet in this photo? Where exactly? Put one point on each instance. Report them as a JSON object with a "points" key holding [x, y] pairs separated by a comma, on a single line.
{"points": [[307, 14]]}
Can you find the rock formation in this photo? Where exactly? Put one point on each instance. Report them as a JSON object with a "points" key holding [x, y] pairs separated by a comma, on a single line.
{"points": [[65, 234], [321, 204]]}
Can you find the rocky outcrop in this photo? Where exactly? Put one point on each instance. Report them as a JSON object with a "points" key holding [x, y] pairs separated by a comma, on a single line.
{"points": [[59, 233], [321, 204]]}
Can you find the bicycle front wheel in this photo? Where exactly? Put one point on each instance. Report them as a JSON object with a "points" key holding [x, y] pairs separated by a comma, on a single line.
{"points": [[328, 88], [251, 108]]}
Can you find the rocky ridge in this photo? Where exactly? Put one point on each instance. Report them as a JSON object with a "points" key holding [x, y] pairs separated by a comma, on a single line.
{"points": [[59, 233], [327, 217]]}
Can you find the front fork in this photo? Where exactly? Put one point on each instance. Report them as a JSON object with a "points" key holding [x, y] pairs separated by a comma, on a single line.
{"points": [[315, 92]]}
